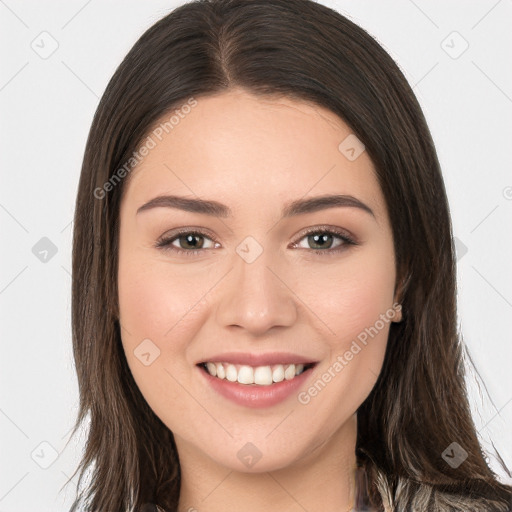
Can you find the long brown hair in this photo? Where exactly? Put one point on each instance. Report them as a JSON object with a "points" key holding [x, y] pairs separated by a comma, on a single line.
{"points": [[305, 51]]}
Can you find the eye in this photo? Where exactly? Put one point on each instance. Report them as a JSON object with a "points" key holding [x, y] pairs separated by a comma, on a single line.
{"points": [[321, 240], [186, 242], [325, 240]]}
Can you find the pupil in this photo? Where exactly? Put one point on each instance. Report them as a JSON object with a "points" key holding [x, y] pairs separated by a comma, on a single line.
{"points": [[190, 240], [322, 238]]}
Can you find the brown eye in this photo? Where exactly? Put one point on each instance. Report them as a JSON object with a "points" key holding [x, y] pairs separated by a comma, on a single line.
{"points": [[190, 241], [186, 242]]}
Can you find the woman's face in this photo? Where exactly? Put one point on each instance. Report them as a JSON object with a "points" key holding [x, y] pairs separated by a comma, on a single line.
{"points": [[265, 278]]}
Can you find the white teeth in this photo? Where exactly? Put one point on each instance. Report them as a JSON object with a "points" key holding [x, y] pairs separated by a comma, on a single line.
{"points": [[245, 375], [231, 373], [278, 373], [289, 372], [220, 372], [212, 368], [263, 376], [260, 375]]}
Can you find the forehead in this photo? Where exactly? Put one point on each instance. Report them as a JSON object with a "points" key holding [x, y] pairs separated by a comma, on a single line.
{"points": [[243, 147]]}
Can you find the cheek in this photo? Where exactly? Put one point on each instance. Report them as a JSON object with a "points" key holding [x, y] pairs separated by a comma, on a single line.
{"points": [[157, 299], [354, 303], [159, 307], [148, 303], [350, 296]]}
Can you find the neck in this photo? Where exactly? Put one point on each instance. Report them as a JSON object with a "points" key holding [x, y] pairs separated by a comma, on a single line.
{"points": [[324, 479]]}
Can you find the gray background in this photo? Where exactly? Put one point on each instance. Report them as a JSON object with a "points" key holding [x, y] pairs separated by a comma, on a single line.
{"points": [[47, 101]]}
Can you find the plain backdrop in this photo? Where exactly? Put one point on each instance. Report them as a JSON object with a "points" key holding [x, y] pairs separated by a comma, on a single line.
{"points": [[56, 59]]}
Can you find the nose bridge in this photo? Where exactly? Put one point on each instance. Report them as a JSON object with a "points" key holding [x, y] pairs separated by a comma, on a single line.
{"points": [[255, 296]]}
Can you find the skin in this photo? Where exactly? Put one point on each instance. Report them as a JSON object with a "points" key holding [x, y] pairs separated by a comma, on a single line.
{"points": [[256, 154]]}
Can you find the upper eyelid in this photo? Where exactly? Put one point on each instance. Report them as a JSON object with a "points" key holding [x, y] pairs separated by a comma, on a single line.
{"points": [[185, 231], [327, 229]]}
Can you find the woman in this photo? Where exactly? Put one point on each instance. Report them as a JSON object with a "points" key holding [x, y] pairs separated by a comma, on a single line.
{"points": [[263, 277]]}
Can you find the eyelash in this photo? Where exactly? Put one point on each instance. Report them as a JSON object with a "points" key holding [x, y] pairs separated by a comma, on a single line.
{"points": [[164, 243]]}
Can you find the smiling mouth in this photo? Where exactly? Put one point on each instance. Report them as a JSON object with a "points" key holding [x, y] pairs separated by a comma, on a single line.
{"points": [[254, 375]]}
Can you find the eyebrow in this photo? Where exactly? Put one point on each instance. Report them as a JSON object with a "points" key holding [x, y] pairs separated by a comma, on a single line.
{"points": [[216, 209]]}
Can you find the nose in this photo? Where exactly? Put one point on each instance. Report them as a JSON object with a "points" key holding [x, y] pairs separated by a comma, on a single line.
{"points": [[256, 296]]}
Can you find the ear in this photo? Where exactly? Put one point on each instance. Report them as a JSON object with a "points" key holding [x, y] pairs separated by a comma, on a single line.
{"points": [[400, 289], [397, 312]]}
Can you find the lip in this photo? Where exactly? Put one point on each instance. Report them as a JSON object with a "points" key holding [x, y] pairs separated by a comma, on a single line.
{"points": [[252, 395], [251, 359]]}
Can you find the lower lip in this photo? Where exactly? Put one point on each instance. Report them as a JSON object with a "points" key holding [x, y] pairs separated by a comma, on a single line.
{"points": [[256, 396]]}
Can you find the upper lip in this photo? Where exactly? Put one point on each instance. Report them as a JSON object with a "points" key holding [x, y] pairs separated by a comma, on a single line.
{"points": [[252, 359]]}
